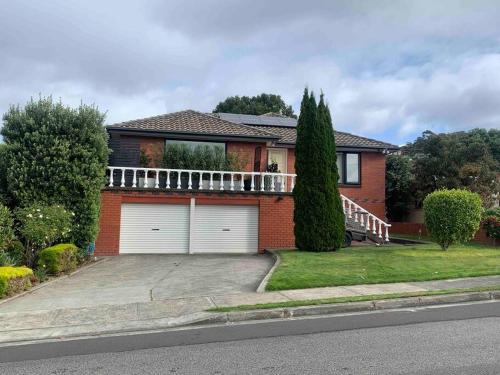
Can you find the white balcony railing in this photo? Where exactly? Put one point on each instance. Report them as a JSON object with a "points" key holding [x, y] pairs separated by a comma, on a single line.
{"points": [[200, 180], [158, 178]]}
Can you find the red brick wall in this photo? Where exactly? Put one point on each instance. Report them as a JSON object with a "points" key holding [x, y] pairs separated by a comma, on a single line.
{"points": [[275, 214], [370, 194], [246, 152]]}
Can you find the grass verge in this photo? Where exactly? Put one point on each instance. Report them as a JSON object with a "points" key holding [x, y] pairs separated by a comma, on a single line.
{"points": [[373, 297]]}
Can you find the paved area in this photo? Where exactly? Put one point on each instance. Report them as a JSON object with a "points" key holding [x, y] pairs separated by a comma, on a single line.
{"points": [[144, 278]]}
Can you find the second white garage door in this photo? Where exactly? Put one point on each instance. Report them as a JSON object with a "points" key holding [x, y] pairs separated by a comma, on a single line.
{"points": [[225, 229]]}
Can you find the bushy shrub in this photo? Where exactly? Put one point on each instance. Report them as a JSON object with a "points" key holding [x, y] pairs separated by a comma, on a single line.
{"points": [[14, 279], [61, 258], [6, 227], [41, 226], [57, 155], [491, 222], [16, 252], [452, 216]]}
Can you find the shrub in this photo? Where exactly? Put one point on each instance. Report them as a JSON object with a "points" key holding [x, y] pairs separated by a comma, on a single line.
{"points": [[6, 224], [57, 155], [58, 259], [14, 279], [491, 222], [452, 216], [41, 226], [16, 252], [5, 259]]}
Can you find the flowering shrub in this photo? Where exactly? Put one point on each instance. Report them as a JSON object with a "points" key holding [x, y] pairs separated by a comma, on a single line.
{"points": [[41, 226]]}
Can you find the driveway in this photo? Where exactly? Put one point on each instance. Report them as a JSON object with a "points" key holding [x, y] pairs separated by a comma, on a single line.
{"points": [[142, 278]]}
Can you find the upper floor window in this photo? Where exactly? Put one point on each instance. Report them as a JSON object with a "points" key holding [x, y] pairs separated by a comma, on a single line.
{"points": [[194, 144], [348, 165]]}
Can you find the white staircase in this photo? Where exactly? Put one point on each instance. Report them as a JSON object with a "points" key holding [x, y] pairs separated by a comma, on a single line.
{"points": [[360, 220]]}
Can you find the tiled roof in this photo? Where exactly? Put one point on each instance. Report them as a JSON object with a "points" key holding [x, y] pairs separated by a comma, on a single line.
{"points": [[192, 122], [257, 120], [285, 128]]}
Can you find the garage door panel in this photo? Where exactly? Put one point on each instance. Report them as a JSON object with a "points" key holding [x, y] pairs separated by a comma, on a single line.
{"points": [[154, 228], [226, 229]]}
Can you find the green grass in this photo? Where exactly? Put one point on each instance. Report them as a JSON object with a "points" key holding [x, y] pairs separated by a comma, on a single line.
{"points": [[374, 297], [371, 265]]}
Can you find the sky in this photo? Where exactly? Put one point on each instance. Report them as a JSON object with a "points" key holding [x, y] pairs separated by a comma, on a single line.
{"points": [[389, 69]]}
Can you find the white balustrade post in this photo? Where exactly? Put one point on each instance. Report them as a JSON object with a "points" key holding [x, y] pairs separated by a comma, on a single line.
{"points": [[221, 181], [190, 181], [211, 187], [386, 233], [157, 179], [242, 182], [134, 179], [145, 178], [362, 219], [283, 182], [179, 179], [272, 182], [123, 177], [292, 185], [379, 229], [349, 211], [111, 172], [262, 181], [374, 226], [252, 182], [168, 179], [232, 183]]}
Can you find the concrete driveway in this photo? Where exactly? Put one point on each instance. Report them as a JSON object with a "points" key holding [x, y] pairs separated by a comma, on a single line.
{"points": [[142, 278]]}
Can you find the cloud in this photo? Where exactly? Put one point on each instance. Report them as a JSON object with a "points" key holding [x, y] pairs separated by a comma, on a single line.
{"points": [[389, 70]]}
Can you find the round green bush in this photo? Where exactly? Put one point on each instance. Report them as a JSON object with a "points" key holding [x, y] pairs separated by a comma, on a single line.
{"points": [[452, 216]]}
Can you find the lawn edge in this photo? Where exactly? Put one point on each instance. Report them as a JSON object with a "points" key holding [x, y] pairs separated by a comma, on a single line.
{"points": [[338, 301], [277, 261]]}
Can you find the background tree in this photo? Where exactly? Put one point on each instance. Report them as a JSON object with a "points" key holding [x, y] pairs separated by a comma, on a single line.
{"points": [[456, 160], [398, 184], [318, 215], [57, 155], [255, 105], [4, 198]]}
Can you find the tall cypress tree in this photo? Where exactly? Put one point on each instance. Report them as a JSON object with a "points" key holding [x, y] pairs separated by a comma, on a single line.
{"points": [[318, 215]]}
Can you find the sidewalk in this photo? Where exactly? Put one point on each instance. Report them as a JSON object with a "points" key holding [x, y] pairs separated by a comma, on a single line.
{"points": [[67, 322]]}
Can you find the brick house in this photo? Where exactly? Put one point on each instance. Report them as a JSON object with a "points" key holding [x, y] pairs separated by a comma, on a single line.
{"points": [[149, 209]]}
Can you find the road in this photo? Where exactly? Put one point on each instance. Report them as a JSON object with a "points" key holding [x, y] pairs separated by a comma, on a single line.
{"points": [[461, 346]]}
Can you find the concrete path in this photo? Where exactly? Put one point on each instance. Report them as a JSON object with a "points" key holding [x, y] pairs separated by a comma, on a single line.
{"points": [[97, 318], [143, 278]]}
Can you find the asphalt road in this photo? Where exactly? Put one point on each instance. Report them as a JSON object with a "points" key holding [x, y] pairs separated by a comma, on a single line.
{"points": [[461, 346]]}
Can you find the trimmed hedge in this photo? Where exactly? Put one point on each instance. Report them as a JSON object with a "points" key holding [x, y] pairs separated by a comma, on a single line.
{"points": [[58, 258], [452, 216], [14, 280]]}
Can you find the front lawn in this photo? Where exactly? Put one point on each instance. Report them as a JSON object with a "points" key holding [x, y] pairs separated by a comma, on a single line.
{"points": [[370, 265]]}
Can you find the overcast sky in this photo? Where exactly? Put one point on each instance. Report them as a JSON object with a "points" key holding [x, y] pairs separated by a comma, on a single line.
{"points": [[389, 69]]}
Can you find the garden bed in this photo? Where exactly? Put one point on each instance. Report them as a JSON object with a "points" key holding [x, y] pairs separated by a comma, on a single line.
{"points": [[375, 264]]}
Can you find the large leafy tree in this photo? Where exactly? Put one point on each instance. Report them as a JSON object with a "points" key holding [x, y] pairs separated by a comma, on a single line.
{"points": [[398, 184], [318, 214], [255, 105], [456, 160], [57, 155]]}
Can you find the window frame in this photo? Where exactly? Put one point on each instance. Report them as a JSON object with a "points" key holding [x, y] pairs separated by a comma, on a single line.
{"points": [[343, 180], [186, 141]]}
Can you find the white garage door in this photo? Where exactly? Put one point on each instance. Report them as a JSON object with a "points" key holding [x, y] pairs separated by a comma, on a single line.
{"points": [[225, 229], [154, 228]]}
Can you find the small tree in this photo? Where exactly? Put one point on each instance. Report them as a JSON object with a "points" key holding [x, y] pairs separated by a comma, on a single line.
{"points": [[57, 155], [255, 105], [318, 214], [452, 216]]}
